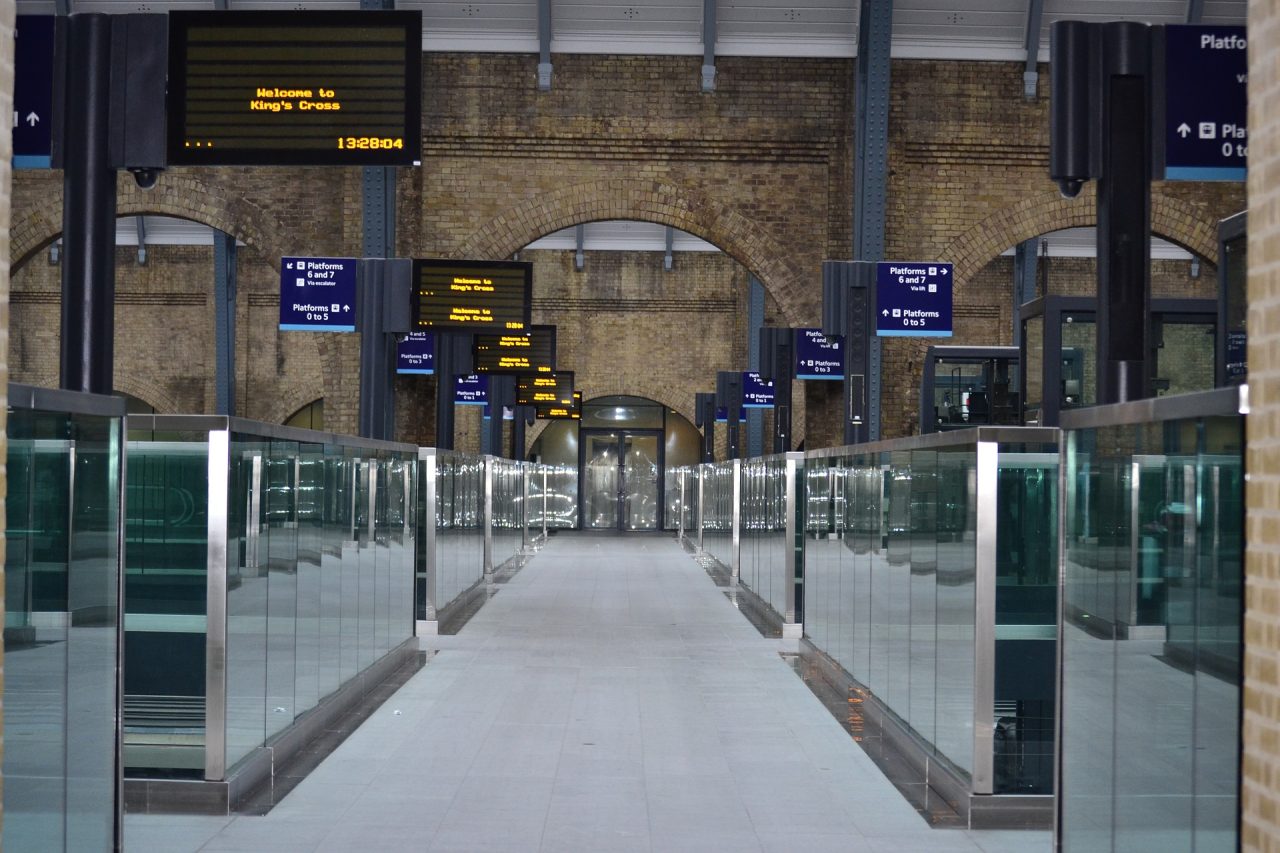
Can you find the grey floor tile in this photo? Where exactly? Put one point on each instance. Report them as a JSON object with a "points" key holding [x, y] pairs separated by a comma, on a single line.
{"points": [[801, 842], [170, 833], [610, 699], [1011, 841]]}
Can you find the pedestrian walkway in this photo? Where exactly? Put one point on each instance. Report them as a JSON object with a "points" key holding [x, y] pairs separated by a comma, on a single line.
{"points": [[608, 698]]}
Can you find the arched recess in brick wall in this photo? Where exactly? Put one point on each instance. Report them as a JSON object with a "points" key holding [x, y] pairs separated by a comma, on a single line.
{"points": [[690, 211], [181, 195], [150, 393], [1172, 219], [622, 389]]}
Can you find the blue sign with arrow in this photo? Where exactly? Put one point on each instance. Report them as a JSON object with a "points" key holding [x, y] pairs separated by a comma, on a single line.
{"points": [[416, 354], [32, 91], [913, 299], [756, 393], [318, 294], [471, 390], [1206, 113], [817, 356]]}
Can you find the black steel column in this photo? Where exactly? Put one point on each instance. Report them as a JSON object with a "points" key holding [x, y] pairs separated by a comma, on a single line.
{"points": [[524, 418], [377, 351], [1124, 216], [224, 298], [1024, 282], [444, 391], [502, 395], [705, 419], [755, 361], [88, 210], [784, 362], [870, 188]]}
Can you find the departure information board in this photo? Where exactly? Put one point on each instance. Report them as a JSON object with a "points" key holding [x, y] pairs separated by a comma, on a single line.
{"points": [[549, 389], [302, 88], [534, 352], [490, 296], [562, 413]]}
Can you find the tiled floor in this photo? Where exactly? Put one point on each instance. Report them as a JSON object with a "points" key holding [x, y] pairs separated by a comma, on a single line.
{"points": [[609, 698]]}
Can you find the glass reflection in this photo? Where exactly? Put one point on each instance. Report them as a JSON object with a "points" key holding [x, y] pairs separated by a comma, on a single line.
{"points": [[1151, 635]]}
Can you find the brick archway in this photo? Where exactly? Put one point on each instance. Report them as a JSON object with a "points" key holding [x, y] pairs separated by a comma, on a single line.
{"points": [[663, 203], [184, 194], [622, 389], [1171, 219]]}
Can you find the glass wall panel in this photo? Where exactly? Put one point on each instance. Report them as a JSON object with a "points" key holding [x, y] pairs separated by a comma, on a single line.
{"points": [[281, 537], [1151, 605], [166, 551], [62, 595], [1026, 604], [247, 596], [956, 606], [890, 581], [318, 582]]}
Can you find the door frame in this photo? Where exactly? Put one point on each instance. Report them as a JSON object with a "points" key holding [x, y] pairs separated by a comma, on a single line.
{"points": [[621, 432]]}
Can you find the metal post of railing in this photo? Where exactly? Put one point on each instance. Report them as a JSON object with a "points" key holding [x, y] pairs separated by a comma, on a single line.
{"points": [[735, 553], [680, 477], [430, 619], [702, 503], [793, 560], [215, 649], [984, 622], [488, 518], [526, 543], [546, 480]]}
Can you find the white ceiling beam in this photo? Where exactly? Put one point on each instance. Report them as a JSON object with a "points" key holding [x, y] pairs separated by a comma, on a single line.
{"points": [[544, 45], [708, 45], [1031, 42]]}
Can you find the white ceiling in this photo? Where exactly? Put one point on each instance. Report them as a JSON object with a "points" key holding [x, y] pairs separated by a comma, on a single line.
{"points": [[1083, 243], [942, 29]]}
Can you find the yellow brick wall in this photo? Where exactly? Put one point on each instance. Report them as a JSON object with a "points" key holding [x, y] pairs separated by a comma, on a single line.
{"points": [[1261, 783]]}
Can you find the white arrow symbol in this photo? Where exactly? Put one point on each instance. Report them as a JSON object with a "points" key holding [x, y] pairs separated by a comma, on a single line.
{"points": [[289, 265], [945, 271], [346, 308], [1183, 130], [32, 119], [885, 312]]}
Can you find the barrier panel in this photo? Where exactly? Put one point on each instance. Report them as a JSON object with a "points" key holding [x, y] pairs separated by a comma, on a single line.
{"points": [[924, 572], [451, 528], [1152, 603], [267, 574], [930, 579], [61, 630], [769, 548]]}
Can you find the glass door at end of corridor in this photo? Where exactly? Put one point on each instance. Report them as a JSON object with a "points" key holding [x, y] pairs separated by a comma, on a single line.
{"points": [[621, 485]]}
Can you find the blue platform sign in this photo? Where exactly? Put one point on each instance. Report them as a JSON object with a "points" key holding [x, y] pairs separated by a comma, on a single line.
{"points": [[416, 354], [32, 91], [471, 390], [756, 393], [1206, 84], [818, 357], [318, 294], [913, 299], [1237, 354]]}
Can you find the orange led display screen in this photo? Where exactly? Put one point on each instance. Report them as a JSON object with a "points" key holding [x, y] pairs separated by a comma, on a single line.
{"points": [[545, 390], [480, 296], [562, 413], [534, 352], [299, 88]]}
